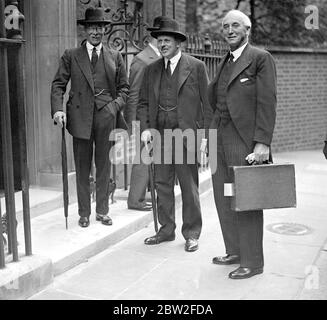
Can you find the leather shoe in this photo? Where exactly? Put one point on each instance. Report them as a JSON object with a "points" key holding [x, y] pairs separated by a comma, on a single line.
{"points": [[158, 239], [229, 259], [244, 273], [191, 245], [84, 222], [141, 207], [105, 219]]}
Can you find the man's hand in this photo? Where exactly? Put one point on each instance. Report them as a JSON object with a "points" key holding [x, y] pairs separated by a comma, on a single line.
{"points": [[325, 150], [260, 154], [60, 118]]}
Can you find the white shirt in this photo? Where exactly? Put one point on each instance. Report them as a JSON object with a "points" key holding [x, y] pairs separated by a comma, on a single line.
{"points": [[237, 53], [173, 61], [90, 47], [155, 49]]}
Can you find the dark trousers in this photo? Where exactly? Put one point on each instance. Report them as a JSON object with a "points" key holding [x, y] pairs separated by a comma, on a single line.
{"points": [[103, 123], [242, 231], [138, 185], [188, 178]]}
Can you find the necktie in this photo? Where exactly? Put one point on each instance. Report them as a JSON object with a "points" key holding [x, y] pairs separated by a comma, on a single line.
{"points": [[168, 68], [231, 58], [94, 59]]}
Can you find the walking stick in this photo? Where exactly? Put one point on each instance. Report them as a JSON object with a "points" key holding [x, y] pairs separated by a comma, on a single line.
{"points": [[153, 193], [64, 173]]}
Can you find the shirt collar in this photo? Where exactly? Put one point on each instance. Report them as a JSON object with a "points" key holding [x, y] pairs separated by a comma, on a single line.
{"points": [[90, 47], [155, 49], [174, 60], [237, 53]]}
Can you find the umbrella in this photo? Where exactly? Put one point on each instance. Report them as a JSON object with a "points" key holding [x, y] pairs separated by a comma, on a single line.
{"points": [[64, 173]]}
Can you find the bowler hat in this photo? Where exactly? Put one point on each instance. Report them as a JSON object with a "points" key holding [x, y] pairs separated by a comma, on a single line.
{"points": [[94, 16], [168, 26], [156, 23]]}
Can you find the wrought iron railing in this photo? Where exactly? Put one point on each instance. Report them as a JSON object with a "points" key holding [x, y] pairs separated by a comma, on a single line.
{"points": [[207, 50], [11, 43]]}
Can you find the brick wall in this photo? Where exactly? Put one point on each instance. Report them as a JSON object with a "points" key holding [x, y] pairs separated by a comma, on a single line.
{"points": [[302, 99]]}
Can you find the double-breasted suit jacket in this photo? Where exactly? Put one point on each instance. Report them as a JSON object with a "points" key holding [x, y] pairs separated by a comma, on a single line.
{"points": [[75, 66], [250, 98]]}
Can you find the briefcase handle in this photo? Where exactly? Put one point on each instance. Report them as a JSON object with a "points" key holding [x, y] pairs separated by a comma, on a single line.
{"points": [[258, 164]]}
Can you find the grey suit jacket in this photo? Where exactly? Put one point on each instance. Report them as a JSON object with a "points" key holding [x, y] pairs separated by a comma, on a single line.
{"points": [[139, 63], [75, 66]]}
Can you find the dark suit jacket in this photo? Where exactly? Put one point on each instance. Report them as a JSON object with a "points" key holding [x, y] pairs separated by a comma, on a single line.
{"points": [[192, 101], [139, 63], [75, 66], [251, 96]]}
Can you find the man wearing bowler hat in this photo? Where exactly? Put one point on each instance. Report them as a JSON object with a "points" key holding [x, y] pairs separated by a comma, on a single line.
{"points": [[99, 88], [173, 96], [140, 172]]}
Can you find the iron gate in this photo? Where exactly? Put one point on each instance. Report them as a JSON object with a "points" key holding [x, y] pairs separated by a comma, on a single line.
{"points": [[11, 49]]}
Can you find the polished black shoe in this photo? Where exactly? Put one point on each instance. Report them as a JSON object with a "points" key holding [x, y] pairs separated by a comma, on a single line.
{"points": [[244, 273], [84, 222], [105, 219], [229, 259], [158, 239], [141, 207], [191, 245]]}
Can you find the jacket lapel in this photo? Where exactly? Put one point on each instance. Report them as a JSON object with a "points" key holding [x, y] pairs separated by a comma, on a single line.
{"points": [[110, 67], [157, 77], [213, 85], [242, 63], [83, 61], [184, 71]]}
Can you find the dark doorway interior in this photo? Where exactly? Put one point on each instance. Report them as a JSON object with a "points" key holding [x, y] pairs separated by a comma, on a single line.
{"points": [[12, 72]]}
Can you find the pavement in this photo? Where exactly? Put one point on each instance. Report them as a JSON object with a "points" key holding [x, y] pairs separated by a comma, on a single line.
{"points": [[113, 263]]}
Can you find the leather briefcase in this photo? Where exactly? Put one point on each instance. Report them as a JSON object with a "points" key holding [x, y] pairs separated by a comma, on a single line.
{"points": [[266, 186]]}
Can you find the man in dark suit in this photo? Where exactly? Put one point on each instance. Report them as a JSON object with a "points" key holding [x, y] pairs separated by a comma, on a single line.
{"points": [[173, 97], [99, 88], [243, 100], [140, 172]]}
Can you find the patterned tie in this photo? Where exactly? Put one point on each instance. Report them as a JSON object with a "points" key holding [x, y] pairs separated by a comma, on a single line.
{"points": [[94, 59], [168, 68], [231, 58]]}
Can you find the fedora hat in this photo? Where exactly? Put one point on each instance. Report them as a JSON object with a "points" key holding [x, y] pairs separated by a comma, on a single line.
{"points": [[94, 16], [168, 27], [156, 23]]}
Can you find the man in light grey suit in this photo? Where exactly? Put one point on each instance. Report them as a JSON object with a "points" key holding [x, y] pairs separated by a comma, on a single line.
{"points": [[99, 89], [140, 172]]}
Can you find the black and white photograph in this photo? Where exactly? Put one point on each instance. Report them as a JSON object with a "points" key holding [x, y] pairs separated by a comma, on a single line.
{"points": [[163, 155]]}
